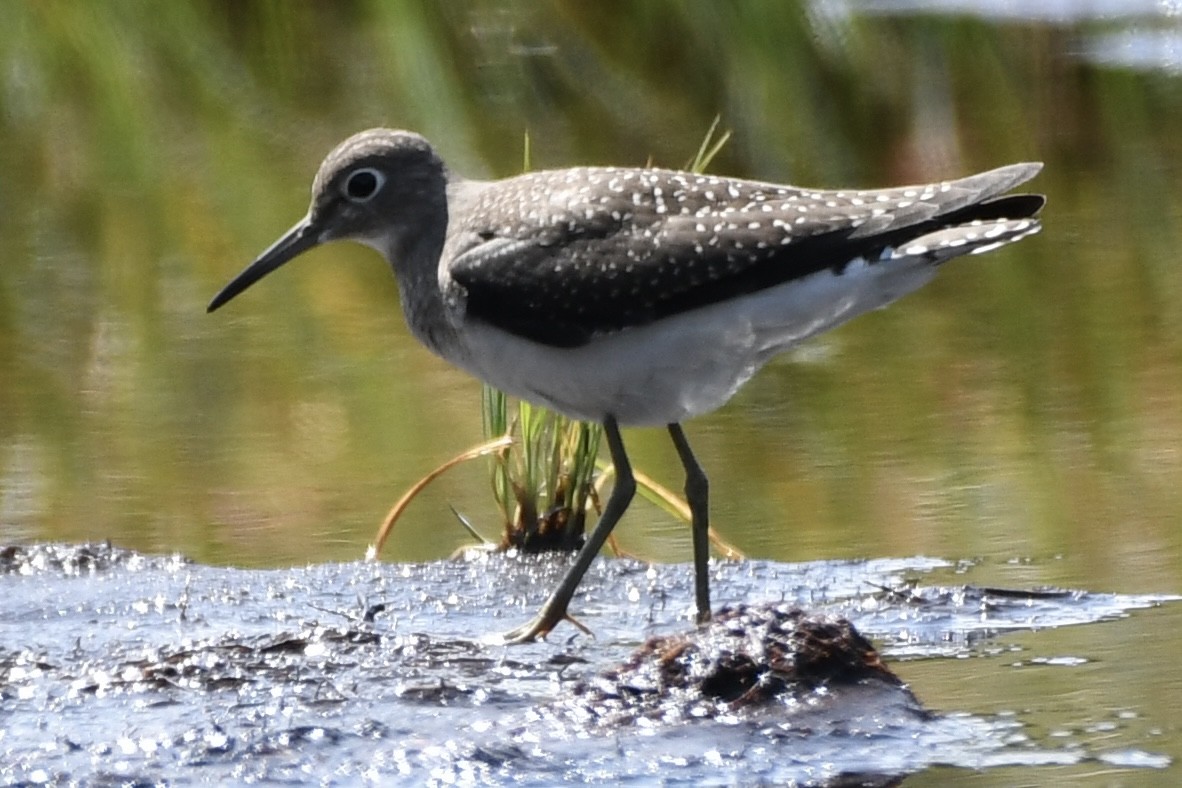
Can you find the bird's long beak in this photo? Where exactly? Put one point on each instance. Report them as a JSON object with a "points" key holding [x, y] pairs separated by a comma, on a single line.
{"points": [[300, 238]]}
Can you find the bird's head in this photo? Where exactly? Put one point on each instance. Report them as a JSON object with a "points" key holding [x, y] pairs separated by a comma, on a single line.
{"points": [[379, 187]]}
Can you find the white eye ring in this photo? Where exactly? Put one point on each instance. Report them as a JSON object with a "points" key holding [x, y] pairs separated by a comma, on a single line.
{"points": [[362, 184]]}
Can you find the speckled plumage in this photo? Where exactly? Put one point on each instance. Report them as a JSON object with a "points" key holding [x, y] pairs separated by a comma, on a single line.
{"points": [[561, 257], [634, 296]]}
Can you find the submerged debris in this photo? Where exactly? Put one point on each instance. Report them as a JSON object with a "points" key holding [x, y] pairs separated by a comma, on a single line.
{"points": [[748, 657], [73, 559]]}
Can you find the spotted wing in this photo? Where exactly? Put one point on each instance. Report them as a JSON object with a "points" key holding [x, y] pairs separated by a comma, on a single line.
{"points": [[579, 266]]}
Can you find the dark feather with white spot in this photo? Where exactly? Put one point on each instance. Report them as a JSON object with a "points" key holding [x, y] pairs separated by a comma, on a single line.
{"points": [[592, 251]]}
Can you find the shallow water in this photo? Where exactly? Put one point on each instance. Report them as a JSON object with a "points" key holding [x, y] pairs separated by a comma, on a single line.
{"points": [[139, 668]]}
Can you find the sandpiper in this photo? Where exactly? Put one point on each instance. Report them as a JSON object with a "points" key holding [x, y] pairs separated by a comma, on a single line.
{"points": [[634, 296]]}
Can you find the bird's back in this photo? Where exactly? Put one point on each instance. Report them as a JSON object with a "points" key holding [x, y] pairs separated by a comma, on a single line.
{"points": [[562, 257]]}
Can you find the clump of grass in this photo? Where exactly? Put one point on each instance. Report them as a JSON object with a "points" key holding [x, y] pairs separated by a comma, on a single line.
{"points": [[543, 481]]}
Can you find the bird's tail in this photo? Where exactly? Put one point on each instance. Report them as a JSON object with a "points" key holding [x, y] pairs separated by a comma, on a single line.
{"points": [[977, 229]]}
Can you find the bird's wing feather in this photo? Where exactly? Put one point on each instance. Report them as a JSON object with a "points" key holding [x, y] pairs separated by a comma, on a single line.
{"points": [[578, 267]]}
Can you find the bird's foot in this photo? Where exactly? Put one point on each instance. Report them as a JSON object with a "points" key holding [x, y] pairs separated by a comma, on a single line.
{"points": [[540, 626]]}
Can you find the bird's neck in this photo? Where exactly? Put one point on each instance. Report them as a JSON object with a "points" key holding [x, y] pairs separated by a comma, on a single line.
{"points": [[414, 256]]}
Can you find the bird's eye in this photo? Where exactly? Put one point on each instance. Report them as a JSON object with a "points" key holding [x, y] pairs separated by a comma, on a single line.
{"points": [[363, 184]]}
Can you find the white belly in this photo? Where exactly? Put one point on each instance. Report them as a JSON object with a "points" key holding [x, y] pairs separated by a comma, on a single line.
{"points": [[685, 365]]}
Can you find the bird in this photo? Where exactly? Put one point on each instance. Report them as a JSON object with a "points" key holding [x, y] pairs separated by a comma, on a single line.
{"points": [[634, 296]]}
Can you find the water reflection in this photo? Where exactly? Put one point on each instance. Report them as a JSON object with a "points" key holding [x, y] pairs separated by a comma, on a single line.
{"points": [[1029, 400]]}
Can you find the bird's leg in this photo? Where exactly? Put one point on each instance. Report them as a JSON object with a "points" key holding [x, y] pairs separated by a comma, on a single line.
{"points": [[554, 610], [697, 494]]}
